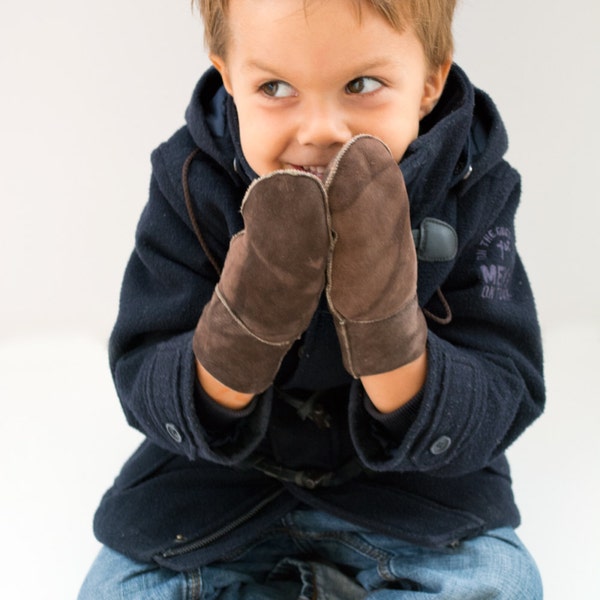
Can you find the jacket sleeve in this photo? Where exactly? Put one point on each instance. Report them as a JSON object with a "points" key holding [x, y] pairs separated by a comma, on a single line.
{"points": [[167, 282], [485, 373]]}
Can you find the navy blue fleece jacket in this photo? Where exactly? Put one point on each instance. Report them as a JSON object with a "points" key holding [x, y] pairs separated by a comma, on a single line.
{"points": [[433, 472]]}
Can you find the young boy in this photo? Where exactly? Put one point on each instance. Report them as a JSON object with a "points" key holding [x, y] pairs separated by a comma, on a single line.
{"points": [[327, 378]]}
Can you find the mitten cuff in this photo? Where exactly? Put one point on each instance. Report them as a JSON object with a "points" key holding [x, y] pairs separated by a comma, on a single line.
{"points": [[232, 354], [372, 347]]}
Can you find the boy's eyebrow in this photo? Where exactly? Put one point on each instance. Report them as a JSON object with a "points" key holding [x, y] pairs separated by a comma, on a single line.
{"points": [[255, 64], [376, 63]]}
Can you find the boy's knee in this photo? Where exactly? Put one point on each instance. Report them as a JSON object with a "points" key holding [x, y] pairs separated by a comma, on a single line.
{"points": [[511, 571], [103, 576], [113, 575]]}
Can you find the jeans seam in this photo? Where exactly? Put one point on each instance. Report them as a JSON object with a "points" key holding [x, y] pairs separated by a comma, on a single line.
{"points": [[194, 585], [353, 541]]}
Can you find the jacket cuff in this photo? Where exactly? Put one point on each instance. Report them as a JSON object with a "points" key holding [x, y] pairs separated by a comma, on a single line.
{"points": [[378, 437], [214, 415], [221, 424], [396, 423]]}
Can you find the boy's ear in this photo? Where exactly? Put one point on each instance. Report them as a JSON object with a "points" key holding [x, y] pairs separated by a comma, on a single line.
{"points": [[221, 66], [434, 86]]}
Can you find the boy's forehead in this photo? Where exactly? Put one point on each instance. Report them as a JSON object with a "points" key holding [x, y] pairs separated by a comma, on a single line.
{"points": [[270, 25], [278, 11], [303, 6]]}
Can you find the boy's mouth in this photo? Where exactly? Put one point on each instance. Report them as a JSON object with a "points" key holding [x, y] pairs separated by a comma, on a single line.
{"points": [[317, 171]]}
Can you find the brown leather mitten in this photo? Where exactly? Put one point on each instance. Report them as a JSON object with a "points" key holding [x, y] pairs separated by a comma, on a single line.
{"points": [[273, 276], [372, 273]]}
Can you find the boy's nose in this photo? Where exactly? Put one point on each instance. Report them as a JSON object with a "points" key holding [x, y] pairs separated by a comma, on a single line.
{"points": [[323, 126]]}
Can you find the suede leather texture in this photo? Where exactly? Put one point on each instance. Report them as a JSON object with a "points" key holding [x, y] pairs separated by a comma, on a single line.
{"points": [[271, 282], [372, 275]]}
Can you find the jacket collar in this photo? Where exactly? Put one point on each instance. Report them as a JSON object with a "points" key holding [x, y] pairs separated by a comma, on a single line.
{"points": [[442, 154]]}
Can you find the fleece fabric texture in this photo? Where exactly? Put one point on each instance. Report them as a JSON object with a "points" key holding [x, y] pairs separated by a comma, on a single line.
{"points": [[433, 472]]}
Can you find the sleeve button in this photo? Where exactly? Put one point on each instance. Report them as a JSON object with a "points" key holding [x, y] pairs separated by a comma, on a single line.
{"points": [[440, 445], [174, 433]]}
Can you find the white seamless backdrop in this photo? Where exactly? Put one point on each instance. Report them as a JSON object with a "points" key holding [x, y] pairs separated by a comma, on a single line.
{"points": [[88, 90]]}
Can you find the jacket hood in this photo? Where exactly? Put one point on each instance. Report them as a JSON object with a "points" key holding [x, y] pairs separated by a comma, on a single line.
{"points": [[212, 122], [458, 143]]}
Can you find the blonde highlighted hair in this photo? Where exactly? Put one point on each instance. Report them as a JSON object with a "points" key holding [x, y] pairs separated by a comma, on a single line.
{"points": [[431, 20]]}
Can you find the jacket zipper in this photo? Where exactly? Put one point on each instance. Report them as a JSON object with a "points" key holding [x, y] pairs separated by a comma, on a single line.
{"points": [[219, 533]]}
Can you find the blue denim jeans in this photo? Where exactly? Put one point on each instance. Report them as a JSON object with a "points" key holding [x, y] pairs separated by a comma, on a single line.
{"points": [[310, 555]]}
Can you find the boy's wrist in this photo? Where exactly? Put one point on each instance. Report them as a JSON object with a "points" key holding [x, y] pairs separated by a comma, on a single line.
{"points": [[220, 393], [391, 390]]}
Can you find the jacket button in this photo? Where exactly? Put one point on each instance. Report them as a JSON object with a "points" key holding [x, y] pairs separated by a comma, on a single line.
{"points": [[174, 433], [440, 445]]}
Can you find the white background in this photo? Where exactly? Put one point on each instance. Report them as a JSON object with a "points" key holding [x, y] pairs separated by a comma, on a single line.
{"points": [[87, 90]]}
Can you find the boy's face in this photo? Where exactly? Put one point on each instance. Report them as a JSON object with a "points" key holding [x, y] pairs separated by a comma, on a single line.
{"points": [[305, 81]]}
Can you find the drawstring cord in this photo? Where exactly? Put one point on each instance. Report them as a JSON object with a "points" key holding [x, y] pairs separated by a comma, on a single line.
{"points": [[190, 209], [447, 317]]}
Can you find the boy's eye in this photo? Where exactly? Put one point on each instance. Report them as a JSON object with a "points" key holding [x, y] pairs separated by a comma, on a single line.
{"points": [[277, 89], [363, 85]]}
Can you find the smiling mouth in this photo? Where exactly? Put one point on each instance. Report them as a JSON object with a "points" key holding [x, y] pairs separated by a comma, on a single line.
{"points": [[318, 171]]}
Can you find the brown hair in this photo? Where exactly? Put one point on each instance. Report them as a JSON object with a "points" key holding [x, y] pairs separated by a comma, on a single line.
{"points": [[430, 19]]}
